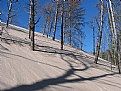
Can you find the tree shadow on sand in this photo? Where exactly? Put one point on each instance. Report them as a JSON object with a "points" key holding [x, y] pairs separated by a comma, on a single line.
{"points": [[77, 56], [41, 85], [54, 81]]}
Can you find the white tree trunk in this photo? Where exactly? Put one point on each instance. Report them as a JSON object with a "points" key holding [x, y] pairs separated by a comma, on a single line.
{"points": [[100, 32]]}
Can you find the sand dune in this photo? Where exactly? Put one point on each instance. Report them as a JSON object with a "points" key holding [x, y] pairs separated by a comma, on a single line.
{"points": [[50, 69]]}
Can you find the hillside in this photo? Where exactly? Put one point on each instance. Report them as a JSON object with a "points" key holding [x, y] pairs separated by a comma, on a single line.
{"points": [[48, 68]]}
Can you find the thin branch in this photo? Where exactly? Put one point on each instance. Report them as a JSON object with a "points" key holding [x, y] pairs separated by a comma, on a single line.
{"points": [[37, 21]]}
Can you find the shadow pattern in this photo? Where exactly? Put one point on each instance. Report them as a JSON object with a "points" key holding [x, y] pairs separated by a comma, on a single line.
{"points": [[41, 85]]}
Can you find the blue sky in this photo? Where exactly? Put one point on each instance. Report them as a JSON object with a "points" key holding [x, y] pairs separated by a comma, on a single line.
{"points": [[23, 17], [90, 12]]}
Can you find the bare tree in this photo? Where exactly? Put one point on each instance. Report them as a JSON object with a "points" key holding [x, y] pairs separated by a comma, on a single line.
{"points": [[10, 10], [48, 15], [100, 26], [62, 13], [115, 10], [93, 29], [55, 22], [73, 23], [118, 54], [32, 21], [36, 11]]}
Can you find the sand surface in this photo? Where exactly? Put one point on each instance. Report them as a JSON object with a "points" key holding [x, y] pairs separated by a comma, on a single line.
{"points": [[50, 69]]}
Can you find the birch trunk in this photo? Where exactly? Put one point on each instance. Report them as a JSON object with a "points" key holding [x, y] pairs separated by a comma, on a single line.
{"points": [[114, 34], [55, 23], [100, 32]]}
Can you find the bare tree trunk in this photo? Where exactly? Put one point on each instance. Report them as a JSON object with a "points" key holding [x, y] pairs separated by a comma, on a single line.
{"points": [[9, 12], [118, 54], [70, 35], [32, 24], [51, 25], [55, 23], [29, 34], [62, 25], [113, 22], [44, 32], [113, 31], [93, 41], [48, 30], [93, 31], [100, 32]]}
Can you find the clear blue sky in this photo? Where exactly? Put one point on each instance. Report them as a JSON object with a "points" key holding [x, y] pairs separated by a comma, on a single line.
{"points": [[23, 17], [90, 12]]}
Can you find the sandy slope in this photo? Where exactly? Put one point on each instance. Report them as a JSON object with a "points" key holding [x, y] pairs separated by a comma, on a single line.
{"points": [[49, 68]]}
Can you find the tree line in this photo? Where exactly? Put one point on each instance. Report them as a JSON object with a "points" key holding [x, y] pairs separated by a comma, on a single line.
{"points": [[67, 14], [108, 24]]}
